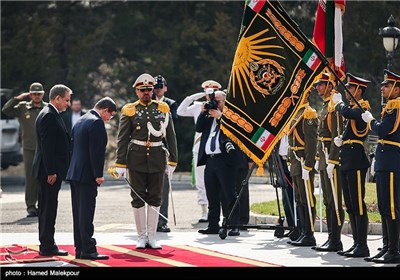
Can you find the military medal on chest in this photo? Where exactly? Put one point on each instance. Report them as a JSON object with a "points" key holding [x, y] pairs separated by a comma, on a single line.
{"points": [[27, 115]]}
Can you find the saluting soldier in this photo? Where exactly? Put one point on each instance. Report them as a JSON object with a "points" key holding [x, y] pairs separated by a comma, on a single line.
{"points": [[303, 149], [330, 125], [387, 167], [26, 112], [140, 148], [354, 163]]}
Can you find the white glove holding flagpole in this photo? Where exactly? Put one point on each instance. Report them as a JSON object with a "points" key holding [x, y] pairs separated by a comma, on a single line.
{"points": [[372, 169], [337, 98], [170, 170], [338, 140], [305, 174], [367, 116], [121, 171]]}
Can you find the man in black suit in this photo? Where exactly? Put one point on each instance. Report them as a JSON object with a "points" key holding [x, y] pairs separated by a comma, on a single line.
{"points": [[160, 88], [221, 158], [85, 173], [72, 115], [50, 164]]}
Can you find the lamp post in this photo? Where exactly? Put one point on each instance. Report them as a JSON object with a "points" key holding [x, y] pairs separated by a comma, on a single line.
{"points": [[390, 35]]}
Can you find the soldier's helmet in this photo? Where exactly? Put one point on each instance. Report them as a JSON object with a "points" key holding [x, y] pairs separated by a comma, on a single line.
{"points": [[356, 81], [211, 84], [143, 81], [324, 78], [390, 77], [160, 82], [36, 88]]}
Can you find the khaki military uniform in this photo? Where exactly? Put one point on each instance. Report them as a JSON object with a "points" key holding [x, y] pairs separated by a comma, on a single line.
{"points": [[328, 152], [303, 149], [143, 153], [26, 114]]}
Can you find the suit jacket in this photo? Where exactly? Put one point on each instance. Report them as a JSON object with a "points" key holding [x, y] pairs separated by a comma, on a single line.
{"points": [[52, 153], [203, 125], [89, 141], [173, 107], [67, 118]]}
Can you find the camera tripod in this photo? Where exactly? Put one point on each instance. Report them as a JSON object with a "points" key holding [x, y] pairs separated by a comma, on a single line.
{"points": [[277, 180]]}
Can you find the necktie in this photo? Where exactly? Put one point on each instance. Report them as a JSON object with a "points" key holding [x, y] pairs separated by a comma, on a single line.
{"points": [[214, 138]]}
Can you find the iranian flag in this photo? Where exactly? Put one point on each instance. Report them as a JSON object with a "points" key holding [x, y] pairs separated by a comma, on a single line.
{"points": [[255, 5], [311, 59], [262, 138], [328, 33]]}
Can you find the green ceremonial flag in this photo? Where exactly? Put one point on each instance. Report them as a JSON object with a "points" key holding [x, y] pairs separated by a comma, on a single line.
{"points": [[274, 66]]}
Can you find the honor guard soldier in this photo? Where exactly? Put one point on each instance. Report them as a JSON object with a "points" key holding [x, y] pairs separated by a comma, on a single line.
{"points": [[330, 125], [303, 149], [354, 163], [26, 112], [140, 149], [387, 167]]}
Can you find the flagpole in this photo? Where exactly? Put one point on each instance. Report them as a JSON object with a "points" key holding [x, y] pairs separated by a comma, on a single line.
{"points": [[325, 61]]}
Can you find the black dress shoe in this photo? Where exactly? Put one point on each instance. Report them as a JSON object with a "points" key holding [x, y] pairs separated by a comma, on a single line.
{"points": [[234, 232], [163, 228], [93, 256], [209, 231], [54, 253], [78, 254], [32, 213]]}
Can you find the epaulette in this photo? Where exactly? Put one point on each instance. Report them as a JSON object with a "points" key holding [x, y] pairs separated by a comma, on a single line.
{"points": [[364, 104], [130, 109], [310, 113], [162, 106], [393, 104]]}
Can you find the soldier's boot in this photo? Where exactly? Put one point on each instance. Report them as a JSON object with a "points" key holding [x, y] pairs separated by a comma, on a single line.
{"points": [[140, 220], [392, 255], [353, 225], [329, 226], [361, 249], [385, 241], [296, 232], [300, 213], [335, 243], [152, 222], [309, 239]]}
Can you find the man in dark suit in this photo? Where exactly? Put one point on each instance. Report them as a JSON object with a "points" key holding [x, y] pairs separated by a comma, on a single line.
{"points": [[220, 157], [50, 164], [72, 115], [85, 174], [160, 88]]}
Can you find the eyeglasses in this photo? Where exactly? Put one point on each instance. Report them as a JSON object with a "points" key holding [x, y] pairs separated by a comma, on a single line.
{"points": [[145, 89]]}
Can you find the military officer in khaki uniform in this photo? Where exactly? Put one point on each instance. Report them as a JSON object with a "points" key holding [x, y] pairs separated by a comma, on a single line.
{"points": [[354, 163], [303, 149], [26, 112], [330, 125], [143, 126]]}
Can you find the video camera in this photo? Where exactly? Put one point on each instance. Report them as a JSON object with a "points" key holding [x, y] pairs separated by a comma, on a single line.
{"points": [[211, 104]]}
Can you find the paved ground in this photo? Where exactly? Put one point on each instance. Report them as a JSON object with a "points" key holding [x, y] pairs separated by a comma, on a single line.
{"points": [[114, 224]]}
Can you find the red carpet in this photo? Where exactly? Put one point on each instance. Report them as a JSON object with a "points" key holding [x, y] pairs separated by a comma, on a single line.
{"points": [[128, 256]]}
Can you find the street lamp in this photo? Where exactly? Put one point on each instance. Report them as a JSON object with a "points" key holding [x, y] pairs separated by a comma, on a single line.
{"points": [[390, 35]]}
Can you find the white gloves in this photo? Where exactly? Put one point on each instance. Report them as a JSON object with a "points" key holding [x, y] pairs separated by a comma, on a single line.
{"points": [[338, 140], [329, 169], [170, 170], [367, 116], [372, 169], [305, 174], [121, 171], [197, 96], [336, 98]]}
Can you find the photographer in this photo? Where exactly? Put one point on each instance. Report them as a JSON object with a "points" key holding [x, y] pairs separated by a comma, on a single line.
{"points": [[220, 157]]}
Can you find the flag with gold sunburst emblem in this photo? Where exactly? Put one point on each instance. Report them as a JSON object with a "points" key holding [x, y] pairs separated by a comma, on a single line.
{"points": [[274, 66]]}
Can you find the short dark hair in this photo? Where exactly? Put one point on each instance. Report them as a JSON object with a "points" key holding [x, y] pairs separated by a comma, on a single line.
{"points": [[59, 90], [106, 103]]}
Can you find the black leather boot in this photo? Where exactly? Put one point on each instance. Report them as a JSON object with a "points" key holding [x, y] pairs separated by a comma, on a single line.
{"points": [[309, 239], [361, 249], [300, 213], [353, 225], [384, 240], [392, 255], [335, 244], [329, 225]]}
